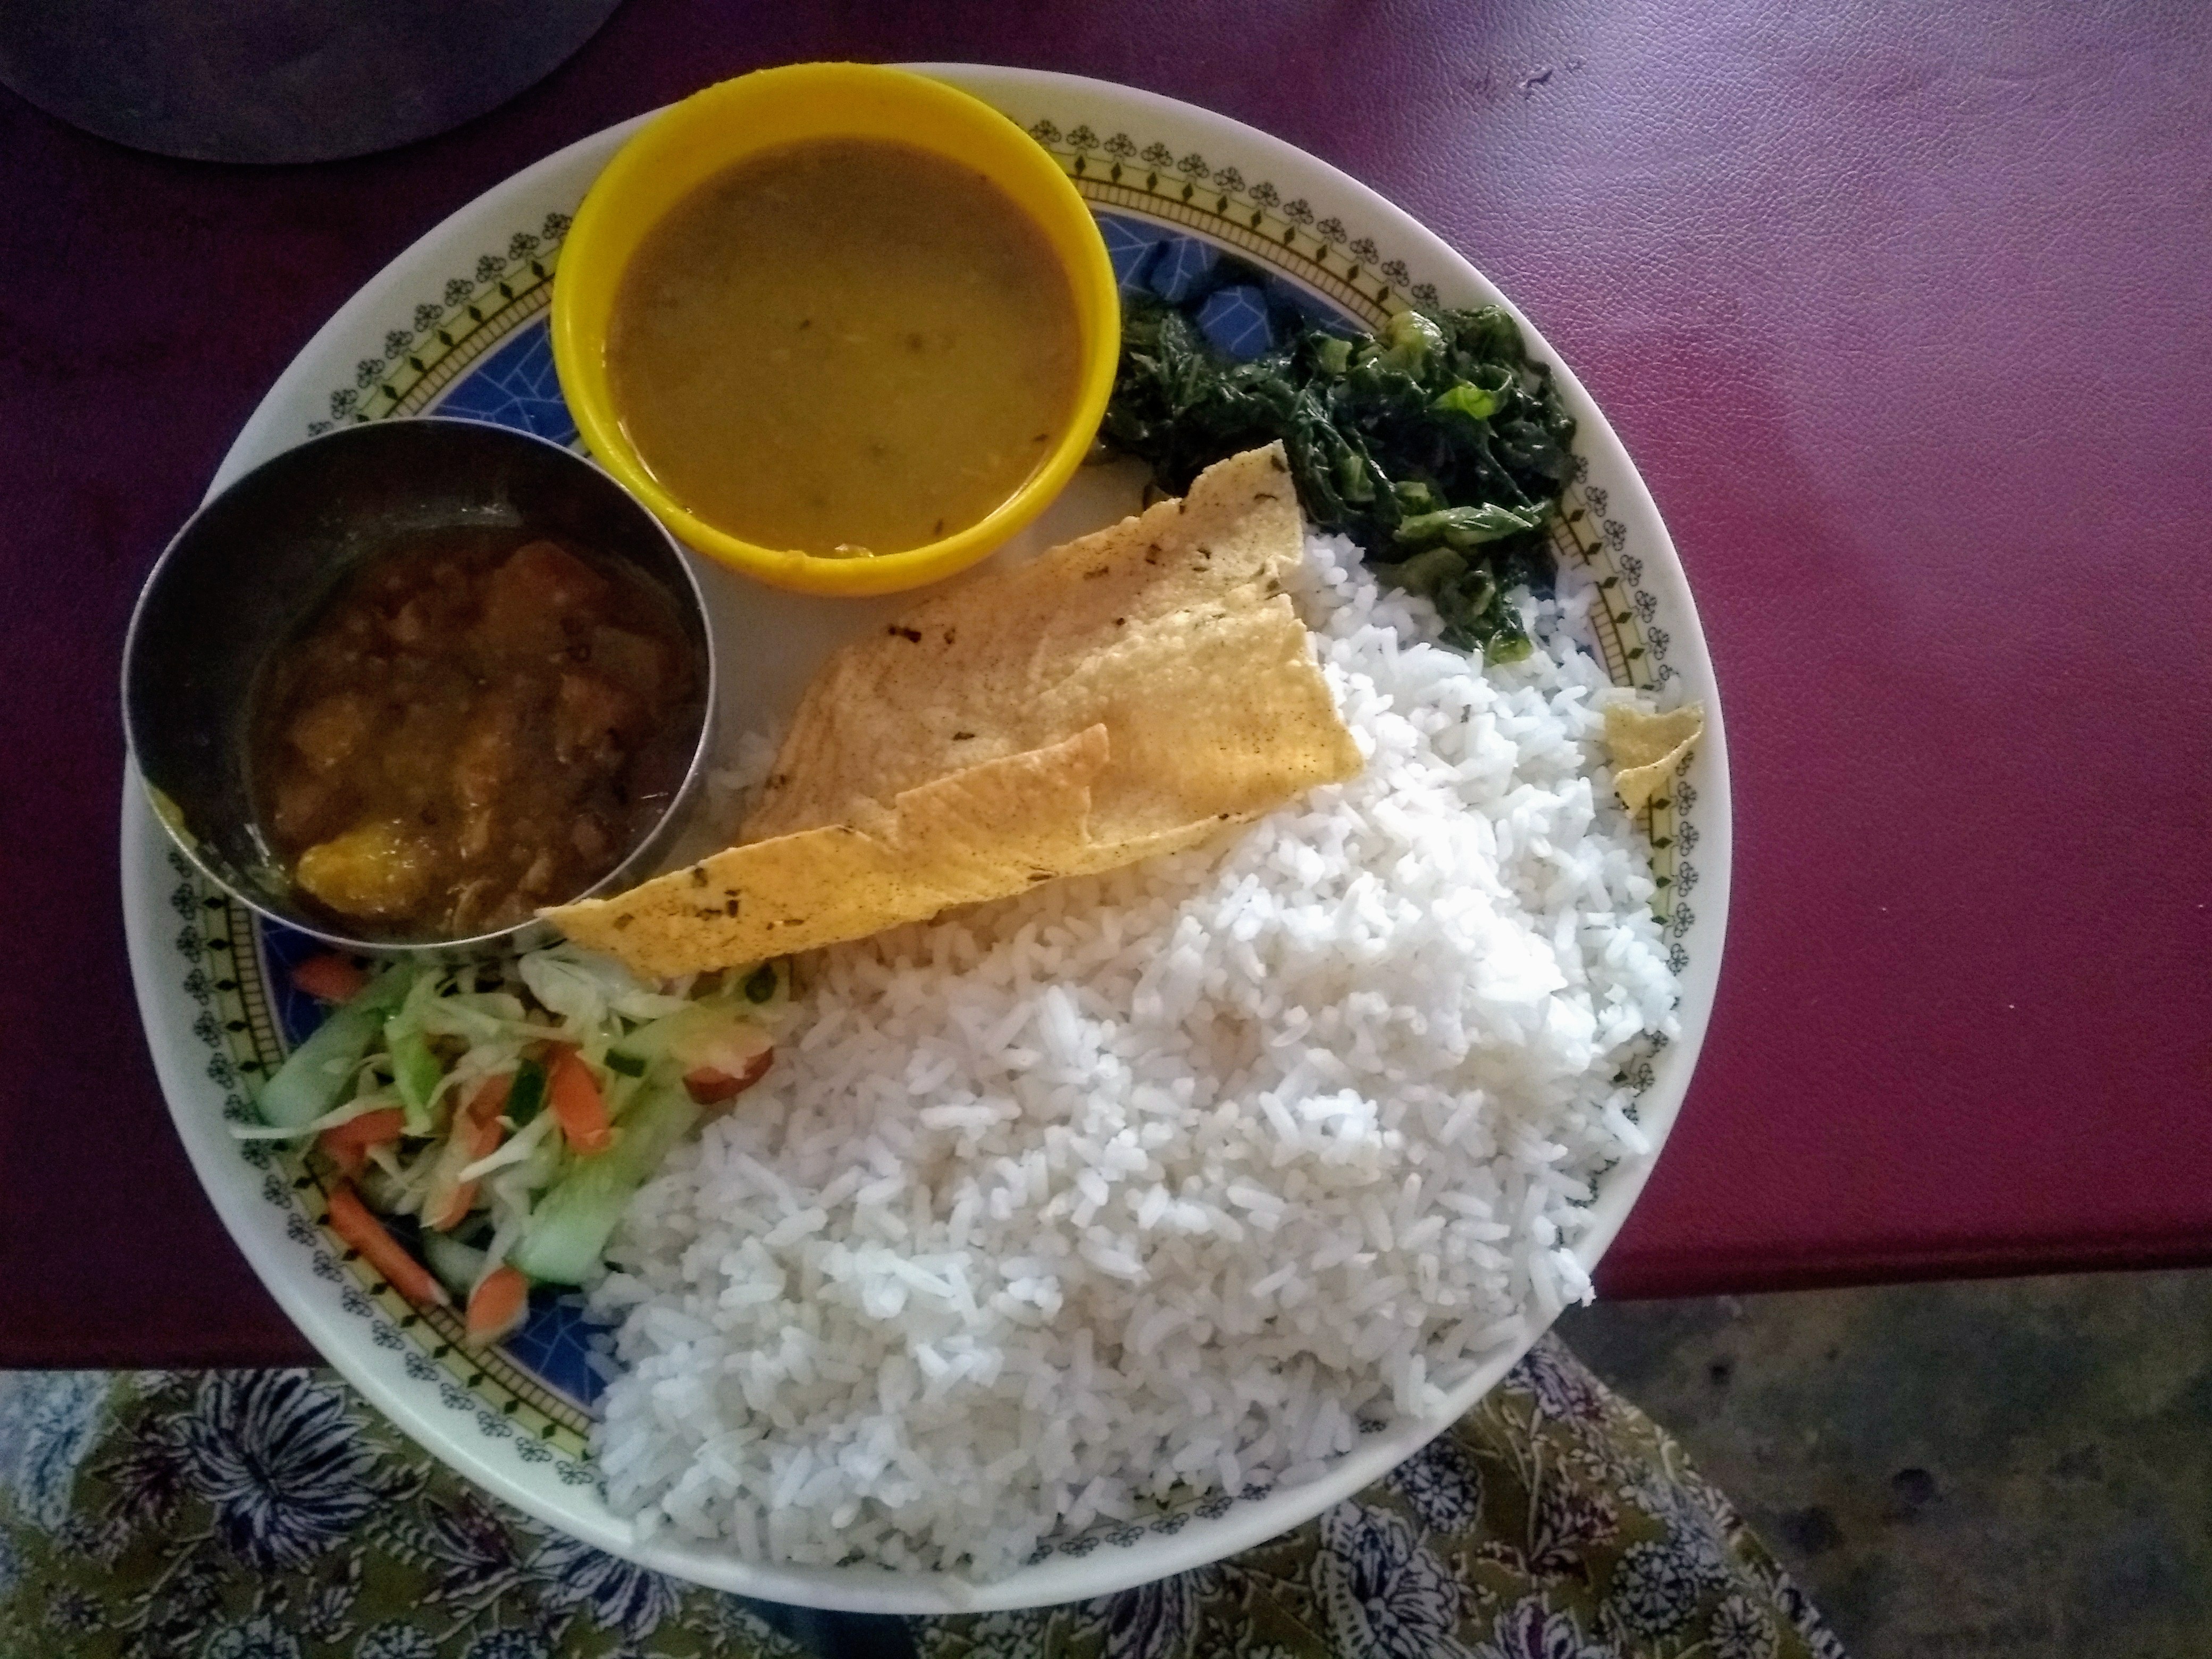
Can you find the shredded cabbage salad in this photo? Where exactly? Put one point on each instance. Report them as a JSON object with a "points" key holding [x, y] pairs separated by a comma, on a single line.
{"points": [[499, 1116]]}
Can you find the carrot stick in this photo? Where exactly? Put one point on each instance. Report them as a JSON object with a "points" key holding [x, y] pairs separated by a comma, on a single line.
{"points": [[347, 1143], [329, 976], [498, 1305], [475, 1135], [578, 1106], [351, 1221], [489, 1101]]}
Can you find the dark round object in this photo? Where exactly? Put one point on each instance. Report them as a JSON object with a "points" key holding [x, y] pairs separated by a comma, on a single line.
{"points": [[258, 559], [282, 80]]}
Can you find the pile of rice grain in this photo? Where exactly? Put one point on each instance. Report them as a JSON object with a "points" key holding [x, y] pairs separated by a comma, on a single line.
{"points": [[1168, 1176]]}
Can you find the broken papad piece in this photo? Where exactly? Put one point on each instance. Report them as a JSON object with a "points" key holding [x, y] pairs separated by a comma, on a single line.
{"points": [[1171, 629], [983, 833], [1647, 747]]}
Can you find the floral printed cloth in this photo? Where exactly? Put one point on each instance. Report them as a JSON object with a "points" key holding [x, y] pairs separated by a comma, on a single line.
{"points": [[273, 1515]]}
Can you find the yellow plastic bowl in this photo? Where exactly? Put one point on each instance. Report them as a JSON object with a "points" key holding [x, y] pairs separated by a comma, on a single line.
{"points": [[713, 128]]}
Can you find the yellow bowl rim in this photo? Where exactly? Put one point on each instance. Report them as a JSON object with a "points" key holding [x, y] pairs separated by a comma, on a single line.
{"points": [[887, 573]]}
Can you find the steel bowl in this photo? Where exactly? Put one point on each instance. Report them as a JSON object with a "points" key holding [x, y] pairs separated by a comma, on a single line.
{"points": [[261, 556]]}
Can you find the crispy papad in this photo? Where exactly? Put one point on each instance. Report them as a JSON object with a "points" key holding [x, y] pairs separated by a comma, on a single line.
{"points": [[1170, 628], [983, 833], [1118, 697]]}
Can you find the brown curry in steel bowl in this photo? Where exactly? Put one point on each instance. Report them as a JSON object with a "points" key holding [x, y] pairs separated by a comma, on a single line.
{"points": [[409, 682], [467, 730]]}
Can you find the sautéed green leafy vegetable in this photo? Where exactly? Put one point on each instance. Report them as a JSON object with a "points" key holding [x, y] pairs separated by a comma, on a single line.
{"points": [[1439, 446]]}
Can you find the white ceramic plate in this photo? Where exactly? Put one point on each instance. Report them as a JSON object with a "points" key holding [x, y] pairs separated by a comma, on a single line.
{"points": [[457, 325]]}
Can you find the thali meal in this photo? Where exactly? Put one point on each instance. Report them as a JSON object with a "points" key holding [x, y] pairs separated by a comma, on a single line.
{"points": [[469, 730], [844, 346], [1165, 1006]]}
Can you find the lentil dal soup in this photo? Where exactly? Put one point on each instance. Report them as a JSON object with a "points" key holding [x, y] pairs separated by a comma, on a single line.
{"points": [[850, 346]]}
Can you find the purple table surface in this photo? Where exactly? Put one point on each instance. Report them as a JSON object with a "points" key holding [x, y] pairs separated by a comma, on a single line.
{"points": [[1902, 310]]}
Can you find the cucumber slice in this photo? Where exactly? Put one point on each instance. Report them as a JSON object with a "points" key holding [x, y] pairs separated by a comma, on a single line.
{"points": [[319, 1072], [568, 1229]]}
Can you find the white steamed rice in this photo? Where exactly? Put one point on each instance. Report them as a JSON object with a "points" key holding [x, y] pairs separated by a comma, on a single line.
{"points": [[1169, 1177]]}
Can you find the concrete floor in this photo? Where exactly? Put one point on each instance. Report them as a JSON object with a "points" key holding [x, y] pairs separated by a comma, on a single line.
{"points": [[2020, 1469]]}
